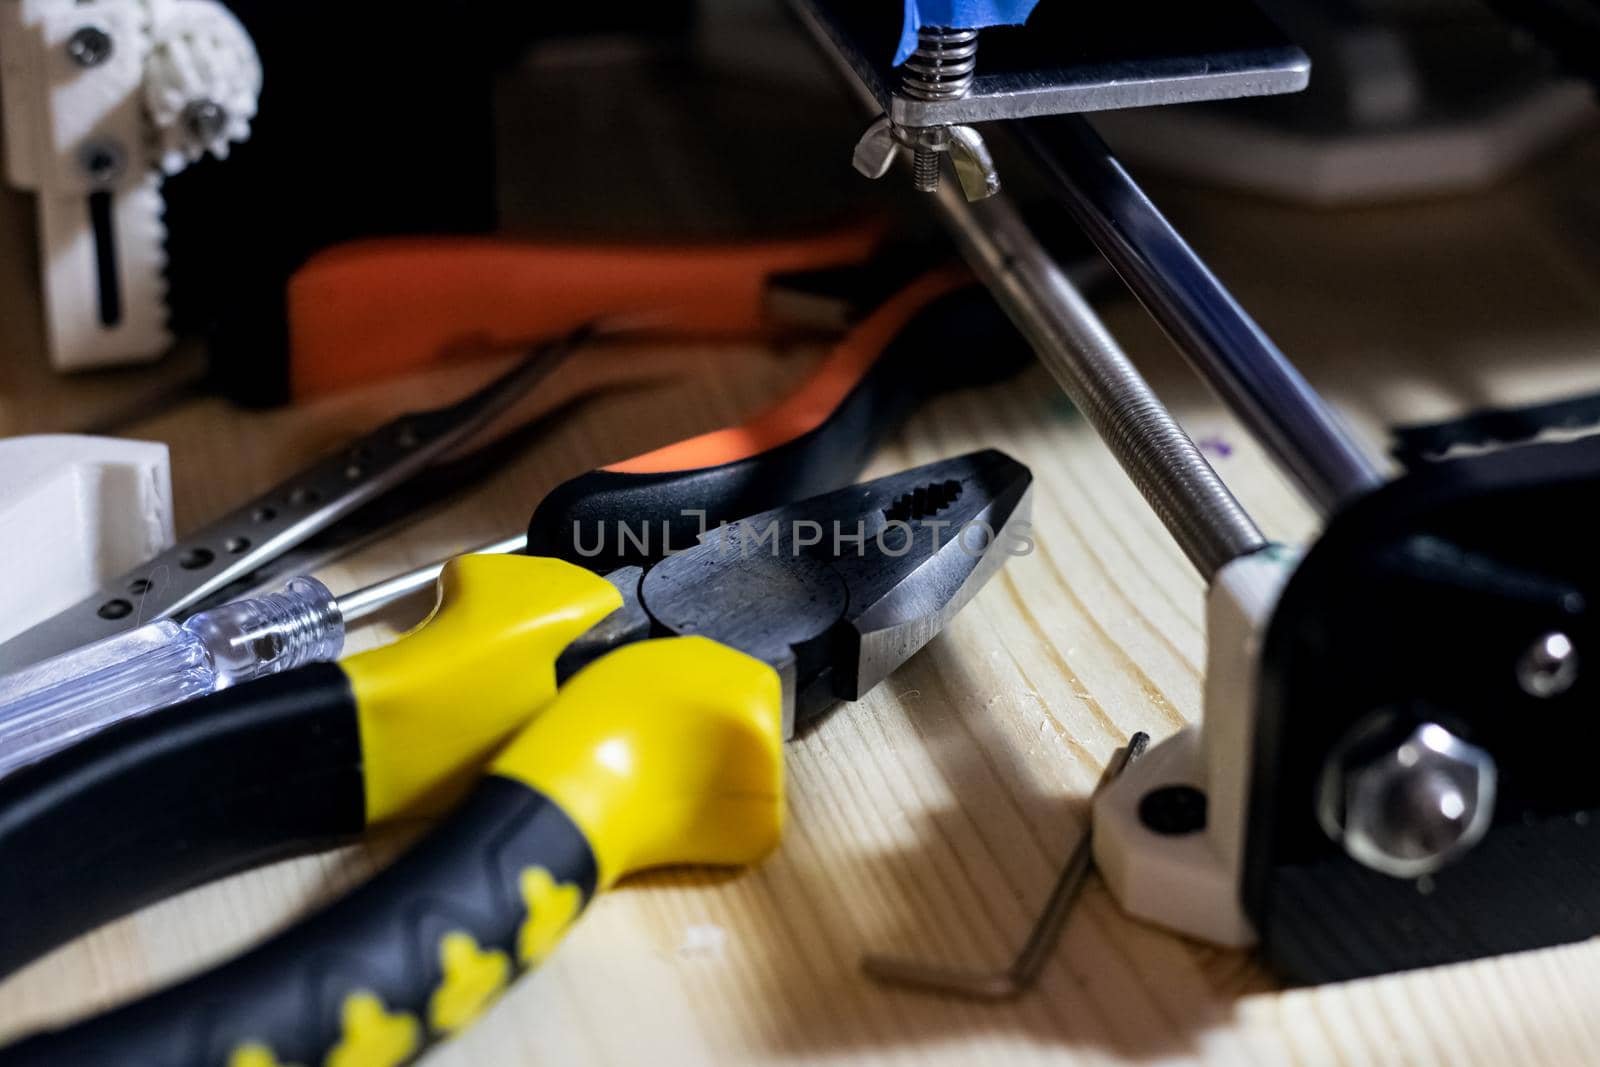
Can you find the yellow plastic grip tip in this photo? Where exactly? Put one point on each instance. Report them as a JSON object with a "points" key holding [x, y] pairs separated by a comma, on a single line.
{"points": [[664, 752], [433, 706]]}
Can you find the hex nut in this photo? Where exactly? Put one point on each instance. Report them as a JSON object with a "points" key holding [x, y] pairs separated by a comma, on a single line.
{"points": [[1409, 809]]}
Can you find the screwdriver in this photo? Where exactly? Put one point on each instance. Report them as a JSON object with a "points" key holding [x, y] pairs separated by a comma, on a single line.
{"points": [[48, 706]]}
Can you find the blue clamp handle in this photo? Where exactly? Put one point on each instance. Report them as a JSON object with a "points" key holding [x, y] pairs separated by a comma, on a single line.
{"points": [[959, 14]]}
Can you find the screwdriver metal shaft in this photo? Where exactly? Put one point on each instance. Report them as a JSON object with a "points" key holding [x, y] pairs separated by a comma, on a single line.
{"points": [[367, 601]]}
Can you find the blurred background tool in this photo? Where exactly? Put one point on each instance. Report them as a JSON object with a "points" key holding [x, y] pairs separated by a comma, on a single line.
{"points": [[935, 83], [938, 333], [290, 761], [371, 309]]}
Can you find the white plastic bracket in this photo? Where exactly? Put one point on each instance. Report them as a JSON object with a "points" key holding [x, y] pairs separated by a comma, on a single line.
{"points": [[76, 512], [1190, 882]]}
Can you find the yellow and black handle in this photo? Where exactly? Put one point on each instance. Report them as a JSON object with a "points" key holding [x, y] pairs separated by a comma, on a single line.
{"points": [[663, 752], [289, 763]]}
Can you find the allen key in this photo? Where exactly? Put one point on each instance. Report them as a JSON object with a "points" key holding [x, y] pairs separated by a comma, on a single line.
{"points": [[1024, 971]]}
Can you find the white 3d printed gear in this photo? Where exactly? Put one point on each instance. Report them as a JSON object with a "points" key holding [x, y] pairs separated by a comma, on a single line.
{"points": [[99, 99], [202, 81]]}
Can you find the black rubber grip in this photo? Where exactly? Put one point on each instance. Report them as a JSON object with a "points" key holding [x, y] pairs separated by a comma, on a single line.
{"points": [[960, 339], [175, 798], [403, 961]]}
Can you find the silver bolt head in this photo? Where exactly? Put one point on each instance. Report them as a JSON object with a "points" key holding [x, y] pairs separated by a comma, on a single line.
{"points": [[103, 161], [1549, 667], [90, 46], [1413, 808], [205, 120]]}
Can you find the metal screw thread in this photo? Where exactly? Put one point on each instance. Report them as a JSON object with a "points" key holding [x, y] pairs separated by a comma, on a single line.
{"points": [[1181, 487], [942, 66], [940, 69], [90, 46]]}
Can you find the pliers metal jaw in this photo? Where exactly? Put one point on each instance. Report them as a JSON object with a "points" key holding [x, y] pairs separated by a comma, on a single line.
{"points": [[838, 591]]}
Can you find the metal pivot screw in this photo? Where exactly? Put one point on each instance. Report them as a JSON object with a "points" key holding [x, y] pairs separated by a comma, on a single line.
{"points": [[204, 120], [1409, 809], [90, 46], [103, 161], [942, 68], [1029, 963], [1549, 666]]}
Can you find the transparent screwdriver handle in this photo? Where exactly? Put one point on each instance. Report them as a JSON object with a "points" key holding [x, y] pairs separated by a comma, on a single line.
{"points": [[50, 705]]}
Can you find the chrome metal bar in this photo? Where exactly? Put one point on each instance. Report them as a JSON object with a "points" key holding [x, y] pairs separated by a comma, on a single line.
{"points": [[1217, 336], [1204, 517], [357, 605]]}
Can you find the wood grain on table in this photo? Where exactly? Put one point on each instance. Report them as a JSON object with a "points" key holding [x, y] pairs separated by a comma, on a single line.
{"points": [[930, 818]]}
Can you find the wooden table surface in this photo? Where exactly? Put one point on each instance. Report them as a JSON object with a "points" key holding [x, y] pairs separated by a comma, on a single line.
{"points": [[930, 818]]}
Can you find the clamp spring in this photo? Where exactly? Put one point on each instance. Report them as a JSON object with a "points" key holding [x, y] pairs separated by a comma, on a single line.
{"points": [[943, 66]]}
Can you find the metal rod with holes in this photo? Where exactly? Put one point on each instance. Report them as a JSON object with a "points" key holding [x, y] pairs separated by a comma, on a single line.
{"points": [[283, 517]]}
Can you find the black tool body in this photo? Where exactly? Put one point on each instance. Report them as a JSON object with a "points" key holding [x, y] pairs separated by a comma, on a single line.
{"points": [[173, 800], [959, 340], [295, 992], [1418, 602], [164, 802]]}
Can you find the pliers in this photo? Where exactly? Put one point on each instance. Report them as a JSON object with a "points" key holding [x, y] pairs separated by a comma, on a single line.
{"points": [[664, 748]]}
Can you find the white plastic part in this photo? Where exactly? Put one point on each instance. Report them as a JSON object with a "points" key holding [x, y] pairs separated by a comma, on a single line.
{"points": [[128, 110], [200, 55], [1190, 883], [75, 512]]}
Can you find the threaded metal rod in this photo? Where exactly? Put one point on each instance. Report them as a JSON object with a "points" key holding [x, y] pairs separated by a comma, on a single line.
{"points": [[1200, 512], [1217, 336], [1203, 516]]}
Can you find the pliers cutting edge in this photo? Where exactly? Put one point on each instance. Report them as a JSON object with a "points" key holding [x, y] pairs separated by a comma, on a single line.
{"points": [[664, 748]]}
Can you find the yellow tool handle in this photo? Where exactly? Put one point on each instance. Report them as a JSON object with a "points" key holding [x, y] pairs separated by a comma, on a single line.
{"points": [[433, 706], [662, 752], [288, 763]]}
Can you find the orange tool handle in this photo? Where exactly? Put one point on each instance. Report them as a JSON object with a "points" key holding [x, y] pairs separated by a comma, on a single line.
{"points": [[374, 308], [939, 333], [817, 399]]}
